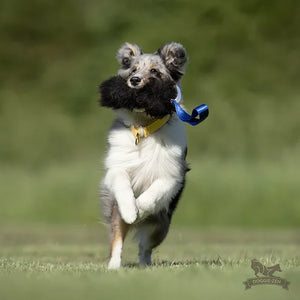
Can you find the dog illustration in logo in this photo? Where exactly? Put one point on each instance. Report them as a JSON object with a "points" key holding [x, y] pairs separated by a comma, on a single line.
{"points": [[260, 268]]}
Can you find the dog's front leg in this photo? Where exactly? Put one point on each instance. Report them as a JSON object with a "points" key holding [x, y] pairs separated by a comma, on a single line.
{"points": [[157, 196], [119, 184]]}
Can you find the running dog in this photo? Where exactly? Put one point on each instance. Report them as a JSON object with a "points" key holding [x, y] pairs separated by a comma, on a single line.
{"points": [[146, 160]]}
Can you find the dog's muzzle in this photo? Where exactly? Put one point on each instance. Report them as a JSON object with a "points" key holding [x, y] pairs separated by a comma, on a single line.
{"points": [[135, 80]]}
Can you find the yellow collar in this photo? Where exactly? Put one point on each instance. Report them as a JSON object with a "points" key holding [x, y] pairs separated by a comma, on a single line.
{"points": [[142, 132]]}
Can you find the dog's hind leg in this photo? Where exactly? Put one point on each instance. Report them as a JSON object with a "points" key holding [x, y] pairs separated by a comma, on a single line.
{"points": [[150, 234], [119, 230]]}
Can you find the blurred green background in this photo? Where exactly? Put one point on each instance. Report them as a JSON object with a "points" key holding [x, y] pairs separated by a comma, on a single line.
{"points": [[244, 64]]}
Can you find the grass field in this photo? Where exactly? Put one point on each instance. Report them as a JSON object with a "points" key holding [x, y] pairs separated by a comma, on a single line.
{"points": [[70, 263]]}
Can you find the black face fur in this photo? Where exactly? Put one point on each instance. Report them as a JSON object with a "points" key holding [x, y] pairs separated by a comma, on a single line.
{"points": [[154, 97]]}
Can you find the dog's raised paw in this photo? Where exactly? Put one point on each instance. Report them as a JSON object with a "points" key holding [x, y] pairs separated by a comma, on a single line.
{"points": [[143, 205], [129, 215]]}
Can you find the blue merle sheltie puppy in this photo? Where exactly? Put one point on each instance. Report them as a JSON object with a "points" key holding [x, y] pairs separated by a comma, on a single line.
{"points": [[145, 164]]}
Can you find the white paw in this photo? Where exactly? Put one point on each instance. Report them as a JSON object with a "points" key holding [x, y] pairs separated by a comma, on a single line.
{"points": [[128, 213], [114, 263], [144, 209]]}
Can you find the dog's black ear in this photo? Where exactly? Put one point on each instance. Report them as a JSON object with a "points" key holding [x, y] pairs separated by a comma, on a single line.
{"points": [[127, 53], [174, 57]]}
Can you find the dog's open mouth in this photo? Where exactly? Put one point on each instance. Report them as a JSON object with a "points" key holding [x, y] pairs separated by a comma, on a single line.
{"points": [[153, 99]]}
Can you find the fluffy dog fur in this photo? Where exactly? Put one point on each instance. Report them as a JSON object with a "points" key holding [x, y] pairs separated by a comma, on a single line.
{"points": [[143, 182]]}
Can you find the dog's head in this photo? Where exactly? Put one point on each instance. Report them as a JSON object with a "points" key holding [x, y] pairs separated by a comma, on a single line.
{"points": [[146, 82], [138, 69]]}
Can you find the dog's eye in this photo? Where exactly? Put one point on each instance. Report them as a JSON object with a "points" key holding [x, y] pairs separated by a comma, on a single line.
{"points": [[133, 70], [126, 61], [153, 71]]}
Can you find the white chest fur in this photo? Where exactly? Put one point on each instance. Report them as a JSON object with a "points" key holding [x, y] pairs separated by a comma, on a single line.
{"points": [[161, 155]]}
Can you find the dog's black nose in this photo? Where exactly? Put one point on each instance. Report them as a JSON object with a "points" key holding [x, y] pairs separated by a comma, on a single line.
{"points": [[135, 80]]}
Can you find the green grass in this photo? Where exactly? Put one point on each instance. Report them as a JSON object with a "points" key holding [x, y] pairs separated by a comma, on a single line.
{"points": [[70, 263]]}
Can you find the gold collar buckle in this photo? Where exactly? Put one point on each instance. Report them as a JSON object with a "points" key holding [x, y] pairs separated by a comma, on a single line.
{"points": [[143, 132], [137, 139]]}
